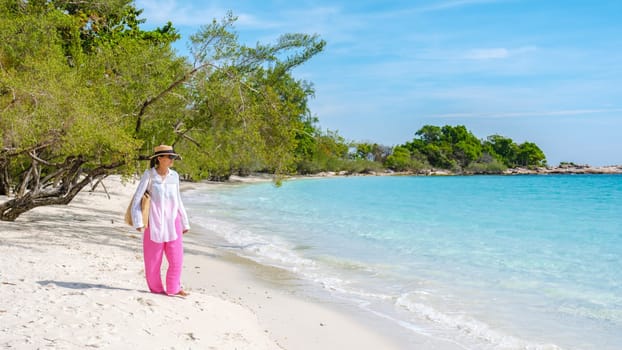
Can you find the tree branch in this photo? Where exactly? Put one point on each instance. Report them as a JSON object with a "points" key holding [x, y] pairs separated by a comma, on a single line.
{"points": [[34, 157], [172, 86]]}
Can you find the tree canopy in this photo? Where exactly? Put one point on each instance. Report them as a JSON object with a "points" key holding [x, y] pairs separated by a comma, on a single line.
{"points": [[84, 91], [457, 149]]}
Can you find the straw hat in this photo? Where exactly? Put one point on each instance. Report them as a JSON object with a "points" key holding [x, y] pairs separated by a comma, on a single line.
{"points": [[164, 150]]}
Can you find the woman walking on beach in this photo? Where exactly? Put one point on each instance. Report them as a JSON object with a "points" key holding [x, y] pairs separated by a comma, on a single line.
{"points": [[168, 221]]}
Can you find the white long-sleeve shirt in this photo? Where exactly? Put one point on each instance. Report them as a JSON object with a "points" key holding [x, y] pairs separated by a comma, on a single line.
{"points": [[166, 205]]}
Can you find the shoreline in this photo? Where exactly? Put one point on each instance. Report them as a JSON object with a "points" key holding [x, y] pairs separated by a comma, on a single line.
{"points": [[72, 277], [294, 319]]}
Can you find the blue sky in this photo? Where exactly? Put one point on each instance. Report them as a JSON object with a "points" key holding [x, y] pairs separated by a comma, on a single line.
{"points": [[544, 71]]}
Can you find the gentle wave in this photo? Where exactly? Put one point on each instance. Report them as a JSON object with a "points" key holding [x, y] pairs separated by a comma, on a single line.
{"points": [[276, 252], [466, 327]]}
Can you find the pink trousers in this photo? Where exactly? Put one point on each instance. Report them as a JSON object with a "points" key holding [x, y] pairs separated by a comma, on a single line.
{"points": [[152, 253]]}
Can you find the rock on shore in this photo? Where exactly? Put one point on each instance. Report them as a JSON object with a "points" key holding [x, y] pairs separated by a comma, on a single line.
{"points": [[567, 169]]}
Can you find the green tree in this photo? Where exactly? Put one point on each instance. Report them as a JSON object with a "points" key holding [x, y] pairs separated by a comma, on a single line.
{"points": [[363, 150], [456, 148], [305, 138], [248, 111], [329, 152], [503, 148], [430, 134], [399, 160], [465, 147], [530, 155], [371, 151], [79, 100], [60, 129]]}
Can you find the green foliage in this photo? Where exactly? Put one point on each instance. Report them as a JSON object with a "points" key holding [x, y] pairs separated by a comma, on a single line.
{"points": [[504, 148], [369, 151], [457, 149], [47, 102], [492, 166], [530, 155], [399, 160], [362, 166], [250, 114], [305, 139], [403, 160], [84, 91], [464, 145], [327, 152], [527, 154]]}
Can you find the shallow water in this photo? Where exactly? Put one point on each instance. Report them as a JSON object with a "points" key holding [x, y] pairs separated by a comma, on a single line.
{"points": [[486, 262]]}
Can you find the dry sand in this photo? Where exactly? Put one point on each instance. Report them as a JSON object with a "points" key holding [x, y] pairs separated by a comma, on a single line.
{"points": [[71, 277]]}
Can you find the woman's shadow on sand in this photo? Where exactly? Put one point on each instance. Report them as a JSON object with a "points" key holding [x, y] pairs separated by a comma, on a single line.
{"points": [[80, 285]]}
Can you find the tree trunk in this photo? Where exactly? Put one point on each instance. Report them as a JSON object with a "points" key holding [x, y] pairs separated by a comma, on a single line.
{"points": [[63, 194], [11, 209], [5, 187]]}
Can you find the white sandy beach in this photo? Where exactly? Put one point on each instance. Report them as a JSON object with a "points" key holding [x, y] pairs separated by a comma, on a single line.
{"points": [[71, 277]]}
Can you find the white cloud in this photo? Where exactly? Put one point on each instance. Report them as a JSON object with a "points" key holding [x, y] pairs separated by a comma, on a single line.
{"points": [[158, 12], [487, 54], [448, 5], [496, 53], [194, 13], [250, 21], [569, 112]]}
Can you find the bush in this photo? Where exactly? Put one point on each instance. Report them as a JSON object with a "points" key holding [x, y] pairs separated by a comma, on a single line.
{"points": [[362, 166], [492, 167]]}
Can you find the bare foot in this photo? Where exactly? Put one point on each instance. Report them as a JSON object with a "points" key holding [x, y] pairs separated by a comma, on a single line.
{"points": [[182, 293]]}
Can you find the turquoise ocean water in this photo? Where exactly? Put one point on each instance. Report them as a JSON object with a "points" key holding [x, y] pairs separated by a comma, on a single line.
{"points": [[484, 262]]}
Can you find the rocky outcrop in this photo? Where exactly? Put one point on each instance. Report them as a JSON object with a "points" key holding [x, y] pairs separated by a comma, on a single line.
{"points": [[567, 169]]}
